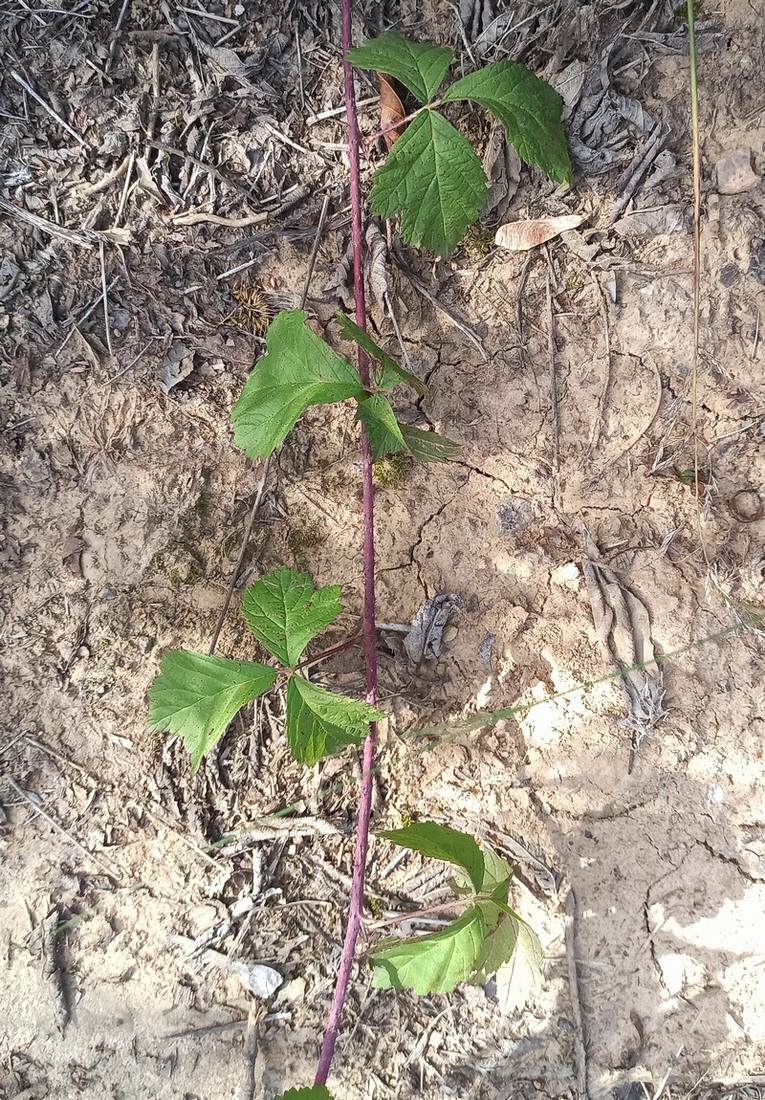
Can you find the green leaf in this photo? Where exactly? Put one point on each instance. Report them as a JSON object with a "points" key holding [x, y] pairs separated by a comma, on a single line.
{"points": [[428, 446], [528, 107], [419, 66], [521, 976], [441, 842], [497, 876], [284, 613], [392, 373], [386, 436], [313, 1092], [433, 176], [196, 696], [499, 944], [298, 370], [320, 723], [383, 430], [432, 964]]}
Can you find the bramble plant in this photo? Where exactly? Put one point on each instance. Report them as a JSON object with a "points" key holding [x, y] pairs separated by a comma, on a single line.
{"points": [[434, 178], [196, 696]]}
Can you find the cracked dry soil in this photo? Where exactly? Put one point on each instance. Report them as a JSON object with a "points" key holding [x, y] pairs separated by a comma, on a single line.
{"points": [[123, 510]]}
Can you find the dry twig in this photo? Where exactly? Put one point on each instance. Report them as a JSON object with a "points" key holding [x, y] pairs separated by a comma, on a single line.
{"points": [[39, 810], [46, 106]]}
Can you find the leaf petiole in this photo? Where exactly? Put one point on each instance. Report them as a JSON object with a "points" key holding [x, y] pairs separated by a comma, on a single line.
{"points": [[369, 141], [355, 639], [415, 914]]}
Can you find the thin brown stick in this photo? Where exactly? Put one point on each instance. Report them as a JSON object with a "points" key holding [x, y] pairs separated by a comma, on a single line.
{"points": [[240, 560], [203, 165], [580, 1050], [696, 270], [45, 226], [39, 810], [116, 36], [125, 189], [46, 106], [315, 249], [297, 196], [553, 376], [105, 298], [600, 418], [369, 141], [251, 1053], [466, 331]]}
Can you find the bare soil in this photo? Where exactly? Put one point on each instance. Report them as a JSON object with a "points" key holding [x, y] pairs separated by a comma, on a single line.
{"points": [[124, 503]]}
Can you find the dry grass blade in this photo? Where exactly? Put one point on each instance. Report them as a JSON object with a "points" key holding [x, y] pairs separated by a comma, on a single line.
{"points": [[45, 226], [696, 268]]}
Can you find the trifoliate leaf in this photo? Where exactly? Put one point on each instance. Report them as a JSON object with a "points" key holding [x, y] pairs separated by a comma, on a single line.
{"points": [[441, 842], [299, 370], [419, 66], [391, 373], [529, 108], [313, 1092], [433, 176], [196, 696], [499, 944], [432, 964], [428, 446], [320, 723], [383, 430], [284, 613], [520, 977]]}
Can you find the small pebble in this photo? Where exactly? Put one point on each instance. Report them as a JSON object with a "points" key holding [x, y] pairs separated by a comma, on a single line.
{"points": [[485, 649], [715, 795], [730, 275], [514, 514], [735, 173], [567, 575]]}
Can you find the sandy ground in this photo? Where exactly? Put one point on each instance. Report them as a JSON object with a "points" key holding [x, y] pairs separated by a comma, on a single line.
{"points": [[123, 512]]}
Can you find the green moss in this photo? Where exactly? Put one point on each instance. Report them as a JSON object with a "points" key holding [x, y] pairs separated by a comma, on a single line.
{"points": [[392, 472], [574, 281], [179, 578], [479, 239], [301, 540]]}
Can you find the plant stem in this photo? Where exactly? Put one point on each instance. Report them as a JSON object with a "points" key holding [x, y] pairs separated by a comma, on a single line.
{"points": [[415, 914], [355, 909]]}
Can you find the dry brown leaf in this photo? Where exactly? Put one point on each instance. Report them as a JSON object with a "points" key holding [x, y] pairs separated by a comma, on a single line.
{"points": [[522, 235], [391, 109]]}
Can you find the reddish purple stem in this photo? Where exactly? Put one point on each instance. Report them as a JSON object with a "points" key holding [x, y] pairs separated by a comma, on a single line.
{"points": [[355, 909]]}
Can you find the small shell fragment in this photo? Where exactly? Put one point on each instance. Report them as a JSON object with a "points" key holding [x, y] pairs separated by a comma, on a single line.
{"points": [[520, 236]]}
